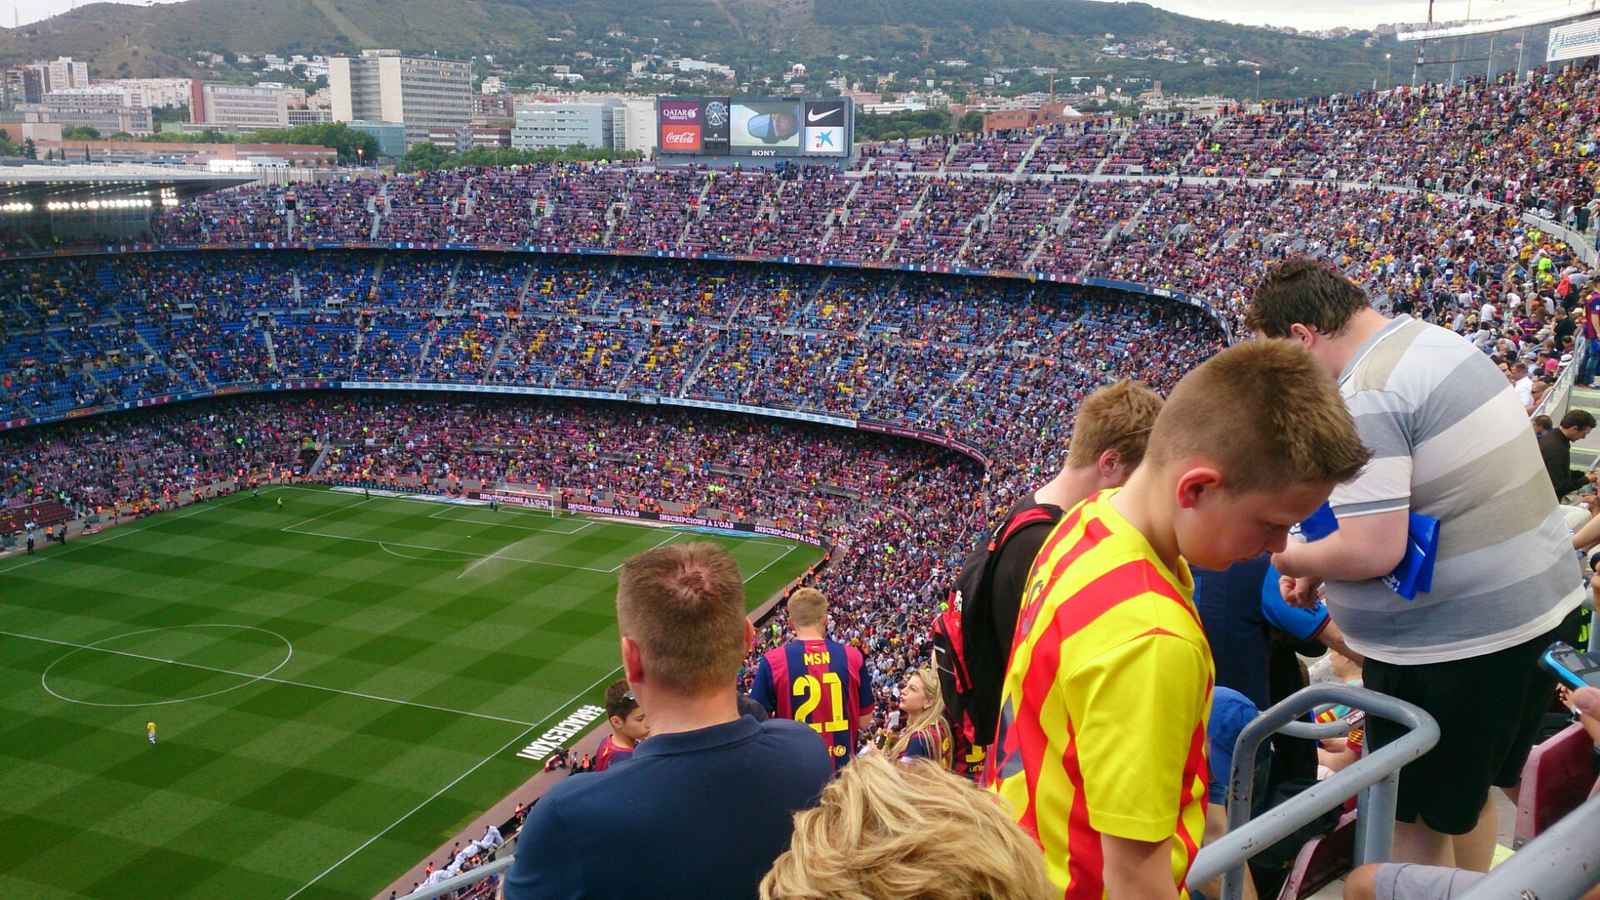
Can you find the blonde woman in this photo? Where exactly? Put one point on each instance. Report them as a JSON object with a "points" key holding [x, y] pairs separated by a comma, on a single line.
{"points": [[926, 734], [895, 832]]}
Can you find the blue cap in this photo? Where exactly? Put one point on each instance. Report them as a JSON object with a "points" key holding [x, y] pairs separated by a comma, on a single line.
{"points": [[1231, 711]]}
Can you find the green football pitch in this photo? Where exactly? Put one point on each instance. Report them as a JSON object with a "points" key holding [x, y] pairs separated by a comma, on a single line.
{"points": [[339, 686]]}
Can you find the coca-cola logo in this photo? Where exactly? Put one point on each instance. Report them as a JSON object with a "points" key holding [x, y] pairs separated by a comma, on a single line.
{"points": [[681, 138]]}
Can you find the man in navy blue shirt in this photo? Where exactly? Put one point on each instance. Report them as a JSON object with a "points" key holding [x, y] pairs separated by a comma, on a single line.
{"points": [[706, 804]]}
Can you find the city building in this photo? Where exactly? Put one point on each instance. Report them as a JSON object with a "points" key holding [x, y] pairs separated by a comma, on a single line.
{"points": [[542, 125], [297, 96], [451, 140], [23, 84], [297, 156], [491, 135], [17, 132], [686, 64], [494, 84], [106, 111], [493, 106], [391, 136], [637, 128], [64, 73], [1027, 117], [239, 107], [156, 93], [422, 93], [299, 117]]}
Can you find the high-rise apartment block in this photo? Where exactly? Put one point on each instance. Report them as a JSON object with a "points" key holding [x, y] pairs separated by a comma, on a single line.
{"points": [[64, 73], [423, 93]]}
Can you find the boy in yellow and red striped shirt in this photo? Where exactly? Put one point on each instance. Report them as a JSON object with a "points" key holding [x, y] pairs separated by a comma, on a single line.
{"points": [[1101, 746]]}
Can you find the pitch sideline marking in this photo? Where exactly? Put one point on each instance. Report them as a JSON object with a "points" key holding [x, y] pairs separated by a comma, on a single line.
{"points": [[466, 553], [661, 543], [787, 550], [442, 514], [251, 675], [531, 728], [119, 532], [588, 522], [326, 513], [457, 780]]}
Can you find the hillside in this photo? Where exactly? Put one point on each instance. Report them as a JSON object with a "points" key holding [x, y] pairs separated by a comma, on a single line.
{"points": [[757, 37]]}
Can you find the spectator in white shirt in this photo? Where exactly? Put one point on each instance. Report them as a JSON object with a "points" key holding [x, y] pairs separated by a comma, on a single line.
{"points": [[1522, 383]]}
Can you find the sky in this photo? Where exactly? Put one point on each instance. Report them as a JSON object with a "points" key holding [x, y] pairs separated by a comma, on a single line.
{"points": [[1319, 14], [1312, 15], [27, 11]]}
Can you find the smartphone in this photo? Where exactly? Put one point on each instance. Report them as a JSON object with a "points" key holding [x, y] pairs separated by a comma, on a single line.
{"points": [[1573, 668]]}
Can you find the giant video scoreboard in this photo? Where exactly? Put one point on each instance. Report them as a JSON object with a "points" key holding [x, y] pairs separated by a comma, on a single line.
{"points": [[754, 126]]}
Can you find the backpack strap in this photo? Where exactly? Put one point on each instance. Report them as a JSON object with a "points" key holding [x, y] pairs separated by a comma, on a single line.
{"points": [[1027, 518]]}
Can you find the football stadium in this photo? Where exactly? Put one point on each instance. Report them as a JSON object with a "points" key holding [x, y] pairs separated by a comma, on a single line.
{"points": [[348, 523]]}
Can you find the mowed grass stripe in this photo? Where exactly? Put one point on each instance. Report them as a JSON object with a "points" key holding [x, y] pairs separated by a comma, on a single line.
{"points": [[253, 792]]}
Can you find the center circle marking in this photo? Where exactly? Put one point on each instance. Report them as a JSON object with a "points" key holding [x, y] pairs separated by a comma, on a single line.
{"points": [[44, 677]]}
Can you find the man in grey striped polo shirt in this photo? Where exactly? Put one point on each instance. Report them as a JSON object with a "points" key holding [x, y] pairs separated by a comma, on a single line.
{"points": [[1449, 440]]}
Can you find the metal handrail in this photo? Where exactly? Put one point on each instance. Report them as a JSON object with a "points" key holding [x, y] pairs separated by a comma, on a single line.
{"points": [[1376, 777], [465, 879], [1316, 731], [1560, 864], [1558, 399]]}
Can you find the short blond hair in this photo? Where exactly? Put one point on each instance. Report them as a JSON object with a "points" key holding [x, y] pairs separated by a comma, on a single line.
{"points": [[808, 607], [1266, 414], [1117, 417], [684, 606], [896, 831]]}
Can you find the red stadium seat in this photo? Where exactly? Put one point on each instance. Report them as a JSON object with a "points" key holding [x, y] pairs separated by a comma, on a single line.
{"points": [[1323, 860], [1557, 777]]}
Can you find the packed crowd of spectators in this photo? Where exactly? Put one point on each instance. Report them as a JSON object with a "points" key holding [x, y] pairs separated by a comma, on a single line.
{"points": [[997, 363], [862, 344], [1393, 175]]}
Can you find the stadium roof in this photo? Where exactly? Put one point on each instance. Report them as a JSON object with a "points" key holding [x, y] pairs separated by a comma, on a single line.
{"points": [[1496, 26], [44, 182]]}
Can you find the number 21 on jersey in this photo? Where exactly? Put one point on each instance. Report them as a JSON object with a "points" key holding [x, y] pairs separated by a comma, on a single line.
{"points": [[811, 690]]}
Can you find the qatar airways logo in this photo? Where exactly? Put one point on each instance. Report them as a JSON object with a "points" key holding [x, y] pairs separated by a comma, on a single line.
{"points": [[680, 111]]}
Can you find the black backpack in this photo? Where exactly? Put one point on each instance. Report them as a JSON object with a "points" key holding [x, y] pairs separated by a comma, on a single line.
{"points": [[970, 657]]}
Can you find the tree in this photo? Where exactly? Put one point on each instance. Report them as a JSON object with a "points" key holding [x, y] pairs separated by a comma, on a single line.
{"points": [[971, 122], [122, 136], [423, 157], [80, 133], [29, 151], [163, 114], [337, 135]]}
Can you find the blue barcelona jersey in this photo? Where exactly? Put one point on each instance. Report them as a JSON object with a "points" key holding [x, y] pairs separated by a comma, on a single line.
{"points": [[821, 683]]}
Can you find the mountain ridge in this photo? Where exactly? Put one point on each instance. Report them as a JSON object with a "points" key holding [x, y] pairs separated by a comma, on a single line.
{"points": [[759, 38]]}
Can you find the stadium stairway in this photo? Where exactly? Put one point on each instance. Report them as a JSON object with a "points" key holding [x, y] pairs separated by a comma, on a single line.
{"points": [[322, 457], [1027, 157]]}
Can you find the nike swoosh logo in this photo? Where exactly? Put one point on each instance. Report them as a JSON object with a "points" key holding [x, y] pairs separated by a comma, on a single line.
{"points": [[818, 117]]}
